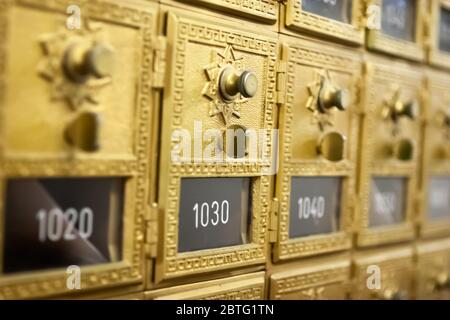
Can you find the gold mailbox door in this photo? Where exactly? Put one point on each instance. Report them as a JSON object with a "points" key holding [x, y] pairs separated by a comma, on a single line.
{"points": [[400, 29], [318, 128], [313, 279], [76, 113], [339, 20], [385, 274], [435, 177], [389, 156], [244, 287], [433, 269], [438, 33], [263, 10], [215, 210]]}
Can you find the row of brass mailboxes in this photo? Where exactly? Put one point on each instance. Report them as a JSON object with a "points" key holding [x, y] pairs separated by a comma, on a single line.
{"points": [[388, 274], [414, 29], [120, 147]]}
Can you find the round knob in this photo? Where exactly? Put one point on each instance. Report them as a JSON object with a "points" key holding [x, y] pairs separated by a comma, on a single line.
{"points": [[331, 146], [333, 98], [390, 294], [100, 60], [84, 132], [83, 60], [232, 83], [442, 281]]}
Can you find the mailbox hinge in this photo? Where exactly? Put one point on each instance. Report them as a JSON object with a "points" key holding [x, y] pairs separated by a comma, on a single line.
{"points": [[281, 82], [151, 231], [159, 62], [273, 223]]}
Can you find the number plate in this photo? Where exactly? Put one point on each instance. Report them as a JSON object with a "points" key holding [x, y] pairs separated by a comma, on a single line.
{"points": [[340, 19], [444, 30], [439, 33], [398, 31], [398, 19], [214, 213], [315, 206], [340, 10], [52, 223], [439, 198], [387, 205]]}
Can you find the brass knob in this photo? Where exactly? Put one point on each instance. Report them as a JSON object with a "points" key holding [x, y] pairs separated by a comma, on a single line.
{"points": [[331, 97], [404, 149], [83, 60], [331, 146], [84, 132], [233, 82], [409, 109], [444, 118], [442, 281], [391, 294]]}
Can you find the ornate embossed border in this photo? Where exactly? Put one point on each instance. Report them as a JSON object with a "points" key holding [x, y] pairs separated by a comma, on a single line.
{"points": [[39, 284], [435, 56], [284, 283], [437, 85], [320, 57], [243, 287], [298, 19], [181, 30], [378, 41], [404, 75], [264, 10]]}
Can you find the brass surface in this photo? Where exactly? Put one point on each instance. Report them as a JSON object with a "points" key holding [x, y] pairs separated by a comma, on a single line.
{"points": [[349, 102]]}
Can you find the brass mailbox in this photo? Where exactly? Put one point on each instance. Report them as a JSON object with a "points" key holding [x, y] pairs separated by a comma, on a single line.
{"points": [[435, 175], [389, 152], [433, 269], [265, 11], [244, 287], [383, 273], [219, 95], [319, 138], [401, 31], [75, 94], [313, 279], [341, 20], [438, 32]]}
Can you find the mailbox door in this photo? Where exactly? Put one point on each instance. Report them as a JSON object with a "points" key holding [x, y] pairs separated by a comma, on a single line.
{"points": [[389, 157], [435, 178], [338, 20], [215, 209], [401, 28], [315, 181], [313, 279], [385, 274], [76, 113], [433, 267], [244, 287]]}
